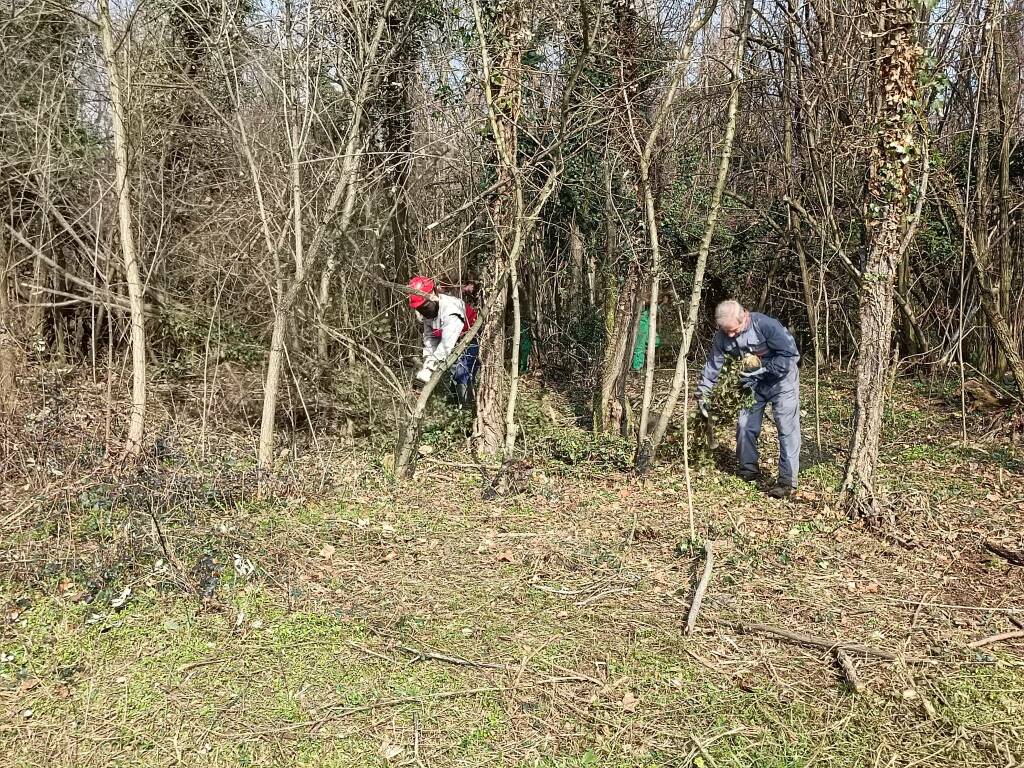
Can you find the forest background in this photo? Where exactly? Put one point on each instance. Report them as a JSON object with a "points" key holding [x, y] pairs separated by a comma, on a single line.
{"points": [[210, 436]]}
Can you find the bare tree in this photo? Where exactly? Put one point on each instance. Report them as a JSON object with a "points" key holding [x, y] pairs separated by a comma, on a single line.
{"points": [[646, 450], [137, 423], [298, 116], [681, 66]]}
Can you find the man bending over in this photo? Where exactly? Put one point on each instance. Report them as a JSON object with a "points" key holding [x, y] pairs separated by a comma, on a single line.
{"points": [[775, 381]]}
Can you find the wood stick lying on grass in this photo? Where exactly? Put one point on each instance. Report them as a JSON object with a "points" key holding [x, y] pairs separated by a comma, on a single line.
{"points": [[996, 638], [849, 671], [422, 655], [702, 586], [1011, 556], [816, 642]]}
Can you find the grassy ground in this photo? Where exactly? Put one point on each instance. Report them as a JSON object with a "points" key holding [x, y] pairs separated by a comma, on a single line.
{"points": [[419, 625]]}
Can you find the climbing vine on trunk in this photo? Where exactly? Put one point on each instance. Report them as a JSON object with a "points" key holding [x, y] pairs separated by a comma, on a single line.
{"points": [[888, 205]]}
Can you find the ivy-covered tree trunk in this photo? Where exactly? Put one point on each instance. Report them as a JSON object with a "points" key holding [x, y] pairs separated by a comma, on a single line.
{"points": [[502, 53], [897, 59]]}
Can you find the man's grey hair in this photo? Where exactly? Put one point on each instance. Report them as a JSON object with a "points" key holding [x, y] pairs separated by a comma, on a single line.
{"points": [[728, 311]]}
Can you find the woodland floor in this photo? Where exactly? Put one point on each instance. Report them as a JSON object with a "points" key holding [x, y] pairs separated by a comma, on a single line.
{"points": [[349, 622]]}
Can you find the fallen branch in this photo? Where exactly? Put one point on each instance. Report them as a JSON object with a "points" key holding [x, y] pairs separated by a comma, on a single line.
{"points": [[457, 660], [996, 638], [703, 752], [816, 642], [171, 557], [849, 671], [1012, 556], [702, 586], [594, 598], [184, 668]]}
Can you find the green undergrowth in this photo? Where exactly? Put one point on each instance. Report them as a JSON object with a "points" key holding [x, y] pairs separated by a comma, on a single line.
{"points": [[552, 433], [421, 624]]}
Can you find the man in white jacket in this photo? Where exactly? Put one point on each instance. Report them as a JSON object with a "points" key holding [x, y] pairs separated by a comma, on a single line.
{"points": [[445, 319]]}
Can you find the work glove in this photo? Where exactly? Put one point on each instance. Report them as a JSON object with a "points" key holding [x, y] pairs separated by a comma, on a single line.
{"points": [[702, 406], [751, 378], [430, 365]]}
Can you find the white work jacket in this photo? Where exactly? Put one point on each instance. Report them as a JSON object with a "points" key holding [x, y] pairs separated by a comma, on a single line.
{"points": [[441, 334]]}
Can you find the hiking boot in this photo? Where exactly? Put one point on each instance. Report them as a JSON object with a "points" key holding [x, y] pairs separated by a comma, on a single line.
{"points": [[750, 475], [781, 491]]}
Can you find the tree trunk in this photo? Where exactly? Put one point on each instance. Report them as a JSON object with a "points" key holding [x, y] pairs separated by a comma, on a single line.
{"points": [[137, 423], [577, 259], [6, 270], [608, 360], [888, 193], [793, 230], [10, 351], [622, 303], [1006, 203], [503, 80], [10, 366], [492, 388], [271, 386], [397, 129], [517, 329]]}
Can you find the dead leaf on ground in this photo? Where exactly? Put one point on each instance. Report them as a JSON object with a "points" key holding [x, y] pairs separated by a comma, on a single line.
{"points": [[327, 551], [485, 546], [629, 702], [390, 751]]}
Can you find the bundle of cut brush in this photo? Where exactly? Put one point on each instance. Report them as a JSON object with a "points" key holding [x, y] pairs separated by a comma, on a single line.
{"points": [[731, 395], [728, 398]]}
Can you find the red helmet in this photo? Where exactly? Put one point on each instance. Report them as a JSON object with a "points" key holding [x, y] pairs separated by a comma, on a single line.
{"points": [[420, 283]]}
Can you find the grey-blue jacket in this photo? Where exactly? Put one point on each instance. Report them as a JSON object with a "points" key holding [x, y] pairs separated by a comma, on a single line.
{"points": [[765, 337]]}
